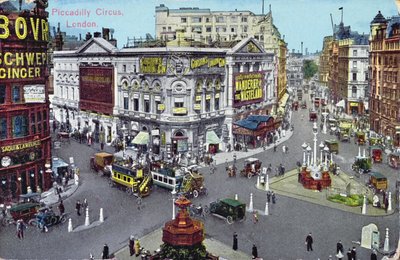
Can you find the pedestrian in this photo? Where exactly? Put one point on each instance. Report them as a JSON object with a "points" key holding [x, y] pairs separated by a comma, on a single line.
{"points": [[137, 247], [386, 204], [20, 229], [273, 198], [131, 245], [254, 252], [349, 256], [78, 207], [373, 255], [309, 242], [61, 208], [235, 242], [353, 254], [268, 196], [274, 147], [255, 216], [59, 190], [283, 149], [339, 247], [105, 254]]}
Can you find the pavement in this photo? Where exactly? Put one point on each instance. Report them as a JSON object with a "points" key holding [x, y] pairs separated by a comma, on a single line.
{"points": [[50, 197], [288, 185], [153, 241]]}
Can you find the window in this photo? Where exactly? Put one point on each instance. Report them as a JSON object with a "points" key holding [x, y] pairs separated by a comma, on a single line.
{"points": [[354, 92], [244, 19], [196, 29], [354, 53], [169, 28], [124, 68], [233, 19], [354, 76], [208, 105], [216, 103], [126, 103], [220, 19], [19, 126], [232, 29], [207, 20], [16, 94], [196, 19], [245, 28], [158, 103], [179, 104], [3, 128], [136, 104], [2, 94], [147, 106], [208, 29], [366, 75], [183, 20], [354, 64], [164, 29]]}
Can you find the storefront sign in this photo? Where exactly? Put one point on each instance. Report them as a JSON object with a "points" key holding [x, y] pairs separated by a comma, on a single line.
{"points": [[198, 98], [179, 110], [197, 107], [208, 97], [24, 27], [353, 104], [161, 107], [34, 94], [155, 132], [152, 65], [17, 147], [248, 88]]}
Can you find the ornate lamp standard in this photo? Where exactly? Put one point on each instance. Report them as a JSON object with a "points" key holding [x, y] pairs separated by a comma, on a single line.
{"points": [[321, 148], [324, 114], [304, 146], [124, 132], [315, 132], [326, 150], [308, 154]]}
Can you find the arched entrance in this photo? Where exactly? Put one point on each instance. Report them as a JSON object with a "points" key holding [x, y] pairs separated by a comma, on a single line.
{"points": [[179, 142]]}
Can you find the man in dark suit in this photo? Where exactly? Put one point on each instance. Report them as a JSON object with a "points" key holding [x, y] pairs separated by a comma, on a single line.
{"points": [[309, 242]]}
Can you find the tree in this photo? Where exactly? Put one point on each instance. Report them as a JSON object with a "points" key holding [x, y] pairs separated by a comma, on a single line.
{"points": [[194, 252], [309, 69]]}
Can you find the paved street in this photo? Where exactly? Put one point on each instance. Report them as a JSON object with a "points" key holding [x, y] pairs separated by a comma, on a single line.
{"points": [[278, 236]]}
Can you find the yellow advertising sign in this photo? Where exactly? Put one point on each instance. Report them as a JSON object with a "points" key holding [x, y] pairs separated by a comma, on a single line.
{"points": [[16, 147], [248, 88], [198, 98], [197, 106], [179, 110], [24, 27], [353, 104], [152, 65], [208, 97], [213, 62], [217, 95], [161, 107], [21, 65]]}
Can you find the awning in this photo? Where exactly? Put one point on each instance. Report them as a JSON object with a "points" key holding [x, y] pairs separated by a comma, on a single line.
{"points": [[212, 138], [283, 100], [340, 103], [141, 138]]}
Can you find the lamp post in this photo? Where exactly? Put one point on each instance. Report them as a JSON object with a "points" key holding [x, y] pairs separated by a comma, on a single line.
{"points": [[324, 114], [308, 154], [321, 148], [173, 192], [304, 146], [326, 150], [315, 132], [124, 131]]}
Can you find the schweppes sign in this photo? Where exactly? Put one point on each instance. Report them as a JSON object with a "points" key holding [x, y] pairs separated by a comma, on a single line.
{"points": [[17, 147]]}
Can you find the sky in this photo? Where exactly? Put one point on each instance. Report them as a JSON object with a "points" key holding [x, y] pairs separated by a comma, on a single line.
{"points": [[306, 21]]}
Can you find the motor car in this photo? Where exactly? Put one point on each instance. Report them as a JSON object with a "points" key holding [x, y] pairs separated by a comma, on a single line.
{"points": [[228, 209]]}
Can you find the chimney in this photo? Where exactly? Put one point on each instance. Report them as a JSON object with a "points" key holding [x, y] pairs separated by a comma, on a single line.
{"points": [[301, 48], [88, 36], [59, 39], [106, 33], [80, 37], [113, 42], [97, 35]]}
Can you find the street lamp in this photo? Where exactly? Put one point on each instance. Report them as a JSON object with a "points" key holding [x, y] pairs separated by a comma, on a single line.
{"points": [[304, 146], [173, 193], [124, 132], [308, 154], [321, 148], [315, 132], [325, 115], [326, 150]]}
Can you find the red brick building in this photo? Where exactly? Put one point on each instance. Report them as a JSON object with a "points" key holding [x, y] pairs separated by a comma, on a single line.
{"points": [[24, 106]]}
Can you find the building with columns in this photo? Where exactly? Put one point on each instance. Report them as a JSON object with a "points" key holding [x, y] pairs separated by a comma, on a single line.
{"points": [[384, 77], [178, 100]]}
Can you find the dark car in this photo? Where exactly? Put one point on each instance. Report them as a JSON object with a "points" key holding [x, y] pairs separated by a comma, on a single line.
{"points": [[47, 217], [229, 209]]}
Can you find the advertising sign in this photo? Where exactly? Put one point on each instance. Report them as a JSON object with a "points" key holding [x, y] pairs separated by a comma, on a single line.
{"points": [[248, 88], [34, 94], [96, 89]]}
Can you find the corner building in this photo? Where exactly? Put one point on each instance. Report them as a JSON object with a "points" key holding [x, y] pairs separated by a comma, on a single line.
{"points": [[179, 100], [24, 108]]}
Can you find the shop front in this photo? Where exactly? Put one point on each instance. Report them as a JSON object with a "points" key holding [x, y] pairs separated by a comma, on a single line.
{"points": [[354, 108], [213, 142], [254, 131], [179, 143]]}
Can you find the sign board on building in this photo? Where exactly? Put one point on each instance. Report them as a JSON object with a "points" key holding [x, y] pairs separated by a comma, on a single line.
{"points": [[153, 65], [248, 88], [179, 110], [96, 89], [197, 107], [161, 107], [34, 93]]}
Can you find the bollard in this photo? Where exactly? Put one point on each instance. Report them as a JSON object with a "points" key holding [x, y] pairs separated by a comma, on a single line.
{"points": [[258, 181], [267, 183], [389, 201], [359, 151], [236, 197], [101, 218], [251, 203], [70, 225], [364, 206], [386, 244], [266, 212], [87, 221]]}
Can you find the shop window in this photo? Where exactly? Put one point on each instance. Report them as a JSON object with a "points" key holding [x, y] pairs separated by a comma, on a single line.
{"points": [[16, 94], [136, 104], [19, 126], [3, 128], [126, 103], [2, 94]]}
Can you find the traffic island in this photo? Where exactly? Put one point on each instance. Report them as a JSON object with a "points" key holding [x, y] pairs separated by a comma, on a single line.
{"points": [[350, 191]]}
